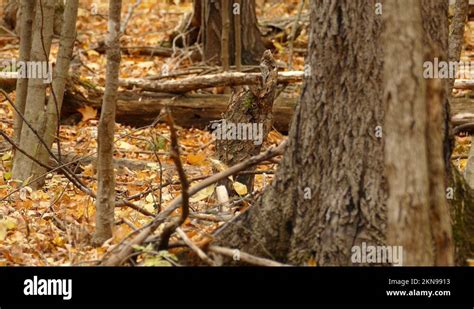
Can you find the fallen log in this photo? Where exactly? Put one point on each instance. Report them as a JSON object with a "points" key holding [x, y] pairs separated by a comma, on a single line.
{"points": [[190, 110], [207, 81], [196, 110], [462, 111], [466, 84]]}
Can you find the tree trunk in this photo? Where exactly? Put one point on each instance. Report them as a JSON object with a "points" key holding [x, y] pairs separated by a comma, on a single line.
{"points": [[462, 213], [105, 202], [328, 194], [27, 8], [438, 132], [23, 167], [252, 43], [238, 38], [225, 34], [414, 141], [456, 39], [55, 101]]}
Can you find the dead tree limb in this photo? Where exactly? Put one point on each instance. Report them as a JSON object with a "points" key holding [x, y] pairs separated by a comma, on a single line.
{"points": [[245, 257], [131, 9], [194, 247], [175, 156], [124, 249], [208, 81]]}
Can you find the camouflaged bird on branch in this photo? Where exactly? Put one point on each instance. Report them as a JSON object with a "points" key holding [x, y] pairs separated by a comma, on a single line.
{"points": [[251, 106]]}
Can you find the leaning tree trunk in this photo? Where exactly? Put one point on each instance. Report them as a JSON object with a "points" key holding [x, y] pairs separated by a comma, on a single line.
{"points": [[328, 194], [105, 202], [23, 167], [418, 216], [251, 39]]}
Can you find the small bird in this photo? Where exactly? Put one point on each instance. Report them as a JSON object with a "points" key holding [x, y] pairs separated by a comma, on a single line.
{"points": [[267, 64]]}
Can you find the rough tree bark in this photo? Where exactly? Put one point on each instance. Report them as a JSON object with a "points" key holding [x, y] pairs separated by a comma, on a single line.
{"points": [[105, 202], [252, 43], [23, 167], [225, 34], [27, 8], [462, 204], [328, 194], [238, 38], [438, 132], [413, 152], [456, 39]]}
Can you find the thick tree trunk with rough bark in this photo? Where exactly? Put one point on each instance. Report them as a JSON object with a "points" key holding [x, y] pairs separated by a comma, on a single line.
{"points": [[105, 202], [328, 194]]}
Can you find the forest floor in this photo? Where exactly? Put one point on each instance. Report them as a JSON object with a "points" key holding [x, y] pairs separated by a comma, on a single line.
{"points": [[53, 226]]}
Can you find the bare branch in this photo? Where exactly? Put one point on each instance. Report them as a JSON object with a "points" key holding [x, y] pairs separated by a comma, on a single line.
{"points": [[123, 250], [195, 248], [171, 227], [245, 257]]}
